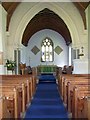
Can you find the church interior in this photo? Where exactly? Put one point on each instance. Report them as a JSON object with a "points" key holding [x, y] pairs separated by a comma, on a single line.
{"points": [[45, 60]]}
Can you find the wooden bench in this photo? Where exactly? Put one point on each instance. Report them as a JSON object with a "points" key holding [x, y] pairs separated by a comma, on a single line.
{"points": [[67, 83], [70, 93], [32, 78], [74, 80], [23, 89], [62, 82], [13, 80], [79, 103], [4, 113], [26, 88], [61, 79], [13, 96], [24, 85], [67, 87]]}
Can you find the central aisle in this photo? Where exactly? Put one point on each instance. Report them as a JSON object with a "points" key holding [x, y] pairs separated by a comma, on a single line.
{"points": [[47, 102]]}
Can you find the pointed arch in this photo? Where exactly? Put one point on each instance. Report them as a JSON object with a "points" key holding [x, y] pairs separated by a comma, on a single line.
{"points": [[47, 50], [18, 31]]}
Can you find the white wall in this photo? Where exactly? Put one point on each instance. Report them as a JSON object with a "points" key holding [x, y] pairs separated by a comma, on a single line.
{"points": [[2, 28], [89, 34], [88, 24], [36, 39], [80, 66]]}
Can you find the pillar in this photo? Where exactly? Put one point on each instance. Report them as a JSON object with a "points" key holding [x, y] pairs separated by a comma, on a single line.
{"points": [[2, 38]]}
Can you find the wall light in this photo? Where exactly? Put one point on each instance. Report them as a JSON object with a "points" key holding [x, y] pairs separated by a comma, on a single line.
{"points": [[81, 54]]}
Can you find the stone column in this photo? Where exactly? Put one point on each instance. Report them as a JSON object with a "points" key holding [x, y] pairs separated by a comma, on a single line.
{"points": [[89, 37], [2, 38]]}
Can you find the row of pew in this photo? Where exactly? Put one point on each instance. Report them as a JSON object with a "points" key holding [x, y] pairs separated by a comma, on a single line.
{"points": [[75, 93], [16, 93]]}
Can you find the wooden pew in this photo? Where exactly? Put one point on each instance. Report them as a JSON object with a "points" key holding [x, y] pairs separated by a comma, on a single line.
{"points": [[62, 77], [13, 96], [23, 78], [32, 78], [20, 84], [79, 100], [75, 80], [88, 104], [4, 113], [13, 80], [66, 78], [70, 87], [26, 90]]}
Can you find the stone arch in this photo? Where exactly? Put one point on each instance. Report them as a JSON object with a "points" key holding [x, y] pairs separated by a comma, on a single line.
{"points": [[55, 8]]}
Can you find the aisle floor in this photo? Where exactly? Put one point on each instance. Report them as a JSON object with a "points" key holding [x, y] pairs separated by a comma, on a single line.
{"points": [[46, 103]]}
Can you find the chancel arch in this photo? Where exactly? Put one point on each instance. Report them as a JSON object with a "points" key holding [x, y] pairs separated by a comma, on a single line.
{"points": [[37, 8], [69, 16]]}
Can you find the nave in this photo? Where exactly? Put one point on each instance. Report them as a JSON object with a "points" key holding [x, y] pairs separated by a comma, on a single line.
{"points": [[46, 96], [51, 37], [47, 102]]}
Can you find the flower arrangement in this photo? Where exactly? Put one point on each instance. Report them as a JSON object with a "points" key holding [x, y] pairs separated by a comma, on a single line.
{"points": [[10, 64]]}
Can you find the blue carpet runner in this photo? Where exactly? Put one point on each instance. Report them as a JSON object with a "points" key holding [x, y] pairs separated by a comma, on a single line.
{"points": [[47, 103]]}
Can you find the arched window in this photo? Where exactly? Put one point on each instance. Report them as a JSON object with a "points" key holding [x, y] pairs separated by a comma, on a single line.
{"points": [[47, 50]]}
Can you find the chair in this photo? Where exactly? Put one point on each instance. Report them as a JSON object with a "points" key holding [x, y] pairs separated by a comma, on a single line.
{"points": [[69, 70], [64, 69], [22, 68]]}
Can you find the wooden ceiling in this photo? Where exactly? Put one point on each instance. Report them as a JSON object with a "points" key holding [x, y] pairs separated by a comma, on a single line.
{"points": [[45, 19]]}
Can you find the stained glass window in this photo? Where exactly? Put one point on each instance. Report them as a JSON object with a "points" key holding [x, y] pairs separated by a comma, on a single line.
{"points": [[47, 50]]}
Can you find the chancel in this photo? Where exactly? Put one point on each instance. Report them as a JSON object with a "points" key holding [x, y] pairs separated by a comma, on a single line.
{"points": [[46, 45]]}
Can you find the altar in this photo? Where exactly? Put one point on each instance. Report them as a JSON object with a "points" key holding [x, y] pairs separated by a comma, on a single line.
{"points": [[46, 69]]}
